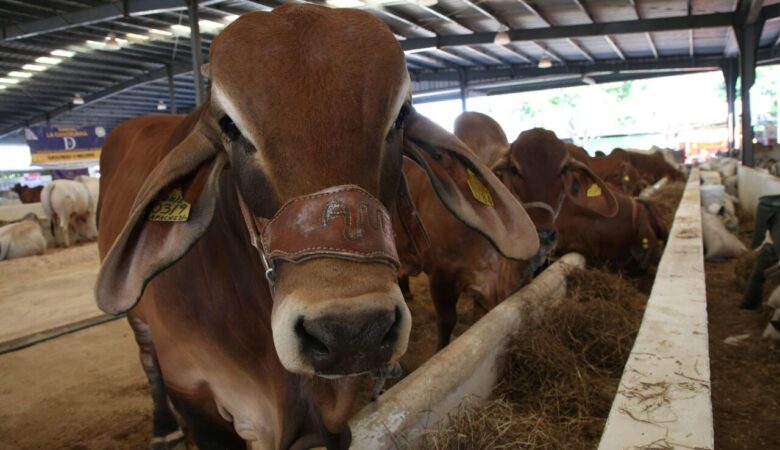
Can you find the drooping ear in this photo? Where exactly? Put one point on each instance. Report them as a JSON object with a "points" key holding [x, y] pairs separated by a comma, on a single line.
{"points": [[468, 189], [585, 189], [152, 240]]}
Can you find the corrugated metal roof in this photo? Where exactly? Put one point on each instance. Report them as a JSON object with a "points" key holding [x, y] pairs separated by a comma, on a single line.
{"points": [[123, 82]]}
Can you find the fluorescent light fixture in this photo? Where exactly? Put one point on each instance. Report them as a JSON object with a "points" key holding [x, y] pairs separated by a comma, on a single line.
{"points": [[344, 3], [161, 106], [181, 29], [34, 67], [230, 18], [78, 99], [427, 2], [9, 80], [19, 74], [136, 37], [160, 32], [2, 87], [209, 26], [96, 44], [545, 62], [63, 53], [502, 38], [48, 60], [588, 80], [419, 50]]}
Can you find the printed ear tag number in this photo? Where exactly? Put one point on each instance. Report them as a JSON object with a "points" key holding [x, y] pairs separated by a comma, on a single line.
{"points": [[172, 209], [478, 190], [594, 190]]}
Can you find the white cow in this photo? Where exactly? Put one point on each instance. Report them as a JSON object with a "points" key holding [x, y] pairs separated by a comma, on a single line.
{"points": [[70, 204], [23, 238]]}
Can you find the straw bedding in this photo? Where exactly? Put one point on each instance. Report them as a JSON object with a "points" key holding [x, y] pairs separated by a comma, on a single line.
{"points": [[559, 379]]}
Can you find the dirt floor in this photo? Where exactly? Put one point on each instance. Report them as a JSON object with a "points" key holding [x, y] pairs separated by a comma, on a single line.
{"points": [[85, 390], [41, 293], [745, 374]]}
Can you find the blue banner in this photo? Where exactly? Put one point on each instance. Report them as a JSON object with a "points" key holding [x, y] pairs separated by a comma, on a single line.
{"points": [[65, 147]]}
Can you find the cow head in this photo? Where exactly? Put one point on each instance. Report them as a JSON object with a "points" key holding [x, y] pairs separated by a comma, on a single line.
{"points": [[310, 109], [540, 171]]}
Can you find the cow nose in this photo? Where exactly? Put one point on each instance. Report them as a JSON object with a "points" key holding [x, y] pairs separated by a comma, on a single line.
{"points": [[349, 345]]}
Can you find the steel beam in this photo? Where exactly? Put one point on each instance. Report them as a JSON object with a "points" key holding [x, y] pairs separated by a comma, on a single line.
{"points": [[110, 92], [171, 88], [197, 52], [574, 31], [748, 37], [530, 85], [730, 70], [523, 71], [101, 13], [463, 93]]}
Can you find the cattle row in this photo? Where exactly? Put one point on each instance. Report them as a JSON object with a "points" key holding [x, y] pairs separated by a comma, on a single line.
{"points": [[69, 207], [256, 244]]}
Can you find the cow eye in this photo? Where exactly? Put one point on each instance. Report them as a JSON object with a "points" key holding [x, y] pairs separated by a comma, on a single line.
{"points": [[513, 170], [402, 115], [229, 128]]}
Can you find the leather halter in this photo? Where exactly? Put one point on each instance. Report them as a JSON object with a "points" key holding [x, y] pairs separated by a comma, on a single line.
{"points": [[343, 222]]}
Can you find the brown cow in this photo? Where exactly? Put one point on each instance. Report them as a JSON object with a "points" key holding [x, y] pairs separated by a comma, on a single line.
{"points": [[615, 169], [483, 135], [540, 173], [250, 241], [578, 153], [652, 166], [630, 240], [28, 194]]}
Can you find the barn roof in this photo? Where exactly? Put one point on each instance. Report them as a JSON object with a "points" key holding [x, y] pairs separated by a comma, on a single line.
{"points": [[118, 56]]}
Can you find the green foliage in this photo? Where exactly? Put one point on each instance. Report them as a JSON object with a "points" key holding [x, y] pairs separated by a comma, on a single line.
{"points": [[621, 91]]}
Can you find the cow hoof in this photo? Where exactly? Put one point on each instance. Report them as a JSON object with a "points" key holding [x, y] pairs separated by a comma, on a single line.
{"points": [[172, 441]]}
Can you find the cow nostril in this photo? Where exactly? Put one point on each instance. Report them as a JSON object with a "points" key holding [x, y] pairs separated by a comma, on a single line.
{"points": [[392, 333], [309, 342]]}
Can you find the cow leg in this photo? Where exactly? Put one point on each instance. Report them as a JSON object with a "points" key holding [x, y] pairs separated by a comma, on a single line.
{"points": [[166, 432], [406, 290], [444, 292], [63, 221]]}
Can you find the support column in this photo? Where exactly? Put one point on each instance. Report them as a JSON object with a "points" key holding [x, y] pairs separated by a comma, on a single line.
{"points": [[463, 86], [197, 54], [730, 73], [747, 37], [171, 88]]}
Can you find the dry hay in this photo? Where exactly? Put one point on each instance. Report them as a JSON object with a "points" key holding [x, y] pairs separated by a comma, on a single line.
{"points": [[667, 199], [559, 378]]}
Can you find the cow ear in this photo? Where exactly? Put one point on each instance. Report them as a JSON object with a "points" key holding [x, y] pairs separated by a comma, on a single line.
{"points": [[468, 189], [585, 189], [171, 212]]}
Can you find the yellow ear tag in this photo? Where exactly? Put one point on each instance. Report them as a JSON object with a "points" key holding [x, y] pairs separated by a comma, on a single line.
{"points": [[478, 190], [645, 243], [172, 209], [594, 190], [626, 178]]}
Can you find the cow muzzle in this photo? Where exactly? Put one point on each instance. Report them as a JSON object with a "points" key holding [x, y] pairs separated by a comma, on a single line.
{"points": [[331, 263]]}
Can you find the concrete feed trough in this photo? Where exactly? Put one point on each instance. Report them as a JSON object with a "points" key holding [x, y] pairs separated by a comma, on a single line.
{"points": [[668, 366]]}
